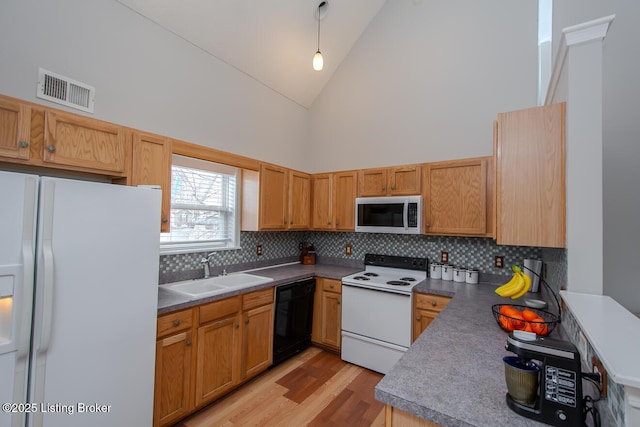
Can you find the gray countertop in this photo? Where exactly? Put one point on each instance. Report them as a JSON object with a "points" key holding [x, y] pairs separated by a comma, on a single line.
{"points": [[169, 301]]}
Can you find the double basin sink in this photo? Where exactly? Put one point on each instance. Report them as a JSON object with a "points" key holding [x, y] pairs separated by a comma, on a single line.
{"points": [[201, 288]]}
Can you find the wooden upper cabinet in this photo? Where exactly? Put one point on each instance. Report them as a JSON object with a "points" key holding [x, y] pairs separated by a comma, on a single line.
{"points": [[15, 129], [373, 182], [344, 200], [530, 177], [322, 208], [394, 181], [151, 165], [84, 143], [404, 180], [299, 213], [273, 197], [334, 197], [456, 197]]}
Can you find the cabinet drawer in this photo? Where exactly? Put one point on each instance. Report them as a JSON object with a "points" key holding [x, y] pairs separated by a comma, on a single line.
{"points": [[330, 285], [431, 302], [174, 322], [217, 309], [257, 298]]}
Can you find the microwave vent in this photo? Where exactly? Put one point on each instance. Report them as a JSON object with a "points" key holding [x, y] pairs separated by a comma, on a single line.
{"points": [[63, 90]]}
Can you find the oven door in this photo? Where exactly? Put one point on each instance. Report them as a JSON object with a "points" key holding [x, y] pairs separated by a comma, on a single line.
{"points": [[379, 315]]}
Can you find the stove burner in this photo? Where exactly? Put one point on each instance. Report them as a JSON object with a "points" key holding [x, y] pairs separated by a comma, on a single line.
{"points": [[370, 274], [397, 283], [361, 278], [408, 279]]}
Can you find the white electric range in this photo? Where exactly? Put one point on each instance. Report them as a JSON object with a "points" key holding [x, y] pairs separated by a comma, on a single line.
{"points": [[376, 310]]}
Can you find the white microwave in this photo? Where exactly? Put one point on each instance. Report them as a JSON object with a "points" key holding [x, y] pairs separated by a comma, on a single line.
{"points": [[395, 214]]}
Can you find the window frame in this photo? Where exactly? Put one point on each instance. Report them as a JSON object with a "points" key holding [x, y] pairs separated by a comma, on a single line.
{"points": [[168, 248]]}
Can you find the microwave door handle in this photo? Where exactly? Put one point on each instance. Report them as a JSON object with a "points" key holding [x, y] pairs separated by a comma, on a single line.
{"points": [[406, 216]]}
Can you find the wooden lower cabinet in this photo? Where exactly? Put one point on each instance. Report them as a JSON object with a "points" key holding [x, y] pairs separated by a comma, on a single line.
{"points": [[395, 417], [425, 308], [232, 342], [174, 353], [327, 313]]}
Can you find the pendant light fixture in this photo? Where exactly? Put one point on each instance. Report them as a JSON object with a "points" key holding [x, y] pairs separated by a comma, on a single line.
{"points": [[318, 61]]}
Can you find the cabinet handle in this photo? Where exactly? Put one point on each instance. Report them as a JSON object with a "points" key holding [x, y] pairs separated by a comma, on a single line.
{"points": [[51, 148], [165, 220], [188, 342], [418, 318], [337, 222], [329, 223], [384, 188], [176, 323], [246, 321], [433, 303], [237, 325], [23, 144], [338, 302], [331, 285], [393, 187], [427, 225], [290, 222]]}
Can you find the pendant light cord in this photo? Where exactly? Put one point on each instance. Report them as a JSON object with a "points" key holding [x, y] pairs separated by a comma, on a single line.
{"points": [[320, 5]]}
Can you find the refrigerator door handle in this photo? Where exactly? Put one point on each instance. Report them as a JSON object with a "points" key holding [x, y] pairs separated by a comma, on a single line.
{"points": [[48, 275]]}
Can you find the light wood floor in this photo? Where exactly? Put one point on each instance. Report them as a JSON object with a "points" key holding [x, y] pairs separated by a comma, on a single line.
{"points": [[315, 388]]}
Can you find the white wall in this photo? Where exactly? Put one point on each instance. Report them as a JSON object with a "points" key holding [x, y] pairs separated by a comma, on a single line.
{"points": [[621, 147], [424, 82], [147, 78]]}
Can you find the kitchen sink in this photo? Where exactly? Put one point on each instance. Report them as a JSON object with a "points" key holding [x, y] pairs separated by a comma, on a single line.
{"points": [[200, 288]]}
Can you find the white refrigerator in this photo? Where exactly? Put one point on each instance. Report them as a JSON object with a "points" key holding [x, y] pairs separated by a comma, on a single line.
{"points": [[78, 302]]}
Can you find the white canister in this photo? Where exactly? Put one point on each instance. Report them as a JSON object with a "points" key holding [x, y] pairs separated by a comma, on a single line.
{"points": [[435, 271], [447, 272], [472, 276], [459, 274]]}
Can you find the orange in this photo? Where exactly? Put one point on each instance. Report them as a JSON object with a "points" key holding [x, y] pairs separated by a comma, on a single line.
{"points": [[528, 327], [505, 323], [539, 328], [507, 310], [517, 321], [529, 314]]}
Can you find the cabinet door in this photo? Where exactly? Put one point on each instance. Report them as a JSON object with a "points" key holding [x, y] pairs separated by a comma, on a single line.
{"points": [[322, 201], [373, 182], [257, 342], [344, 202], [15, 129], [422, 319], [151, 165], [173, 378], [455, 197], [404, 180], [84, 143], [217, 366], [299, 200], [331, 319], [273, 197], [530, 175]]}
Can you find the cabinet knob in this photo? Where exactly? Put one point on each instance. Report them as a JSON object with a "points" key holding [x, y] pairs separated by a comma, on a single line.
{"points": [[23, 144], [51, 148], [418, 318], [384, 188], [246, 321], [188, 342], [290, 222], [165, 220], [337, 222], [338, 302], [331, 285], [427, 225], [176, 323], [237, 325], [393, 187], [433, 303]]}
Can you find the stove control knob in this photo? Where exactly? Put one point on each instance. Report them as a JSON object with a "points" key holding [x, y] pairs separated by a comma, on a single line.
{"points": [[561, 415]]}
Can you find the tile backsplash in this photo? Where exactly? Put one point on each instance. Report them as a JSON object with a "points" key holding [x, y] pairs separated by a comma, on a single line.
{"points": [[282, 246]]}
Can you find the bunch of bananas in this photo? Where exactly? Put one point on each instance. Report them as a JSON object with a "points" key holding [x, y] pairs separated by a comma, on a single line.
{"points": [[515, 288]]}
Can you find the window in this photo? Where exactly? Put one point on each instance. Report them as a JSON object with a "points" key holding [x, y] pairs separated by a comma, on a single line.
{"points": [[204, 207]]}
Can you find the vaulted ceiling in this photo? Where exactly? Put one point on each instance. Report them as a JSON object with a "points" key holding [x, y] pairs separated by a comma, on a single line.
{"points": [[271, 41]]}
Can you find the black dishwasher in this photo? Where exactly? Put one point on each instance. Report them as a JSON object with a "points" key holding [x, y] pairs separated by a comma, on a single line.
{"points": [[293, 317]]}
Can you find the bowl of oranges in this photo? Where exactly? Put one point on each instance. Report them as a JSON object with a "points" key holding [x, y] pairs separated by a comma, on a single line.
{"points": [[523, 318]]}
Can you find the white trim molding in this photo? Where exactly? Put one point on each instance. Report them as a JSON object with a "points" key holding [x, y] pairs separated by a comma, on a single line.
{"points": [[571, 36]]}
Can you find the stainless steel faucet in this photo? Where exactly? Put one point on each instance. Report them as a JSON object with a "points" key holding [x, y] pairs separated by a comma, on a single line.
{"points": [[206, 264]]}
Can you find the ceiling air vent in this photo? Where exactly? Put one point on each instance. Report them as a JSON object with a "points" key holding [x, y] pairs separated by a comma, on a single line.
{"points": [[63, 90]]}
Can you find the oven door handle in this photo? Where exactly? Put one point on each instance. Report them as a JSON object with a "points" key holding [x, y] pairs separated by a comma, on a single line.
{"points": [[369, 288]]}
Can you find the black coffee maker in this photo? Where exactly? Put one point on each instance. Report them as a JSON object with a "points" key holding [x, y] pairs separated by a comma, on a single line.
{"points": [[559, 401]]}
